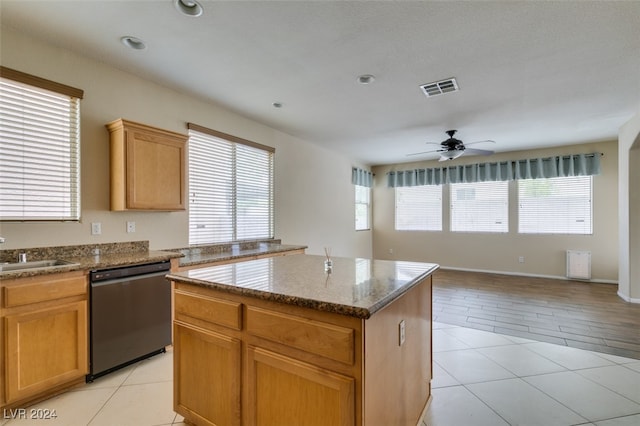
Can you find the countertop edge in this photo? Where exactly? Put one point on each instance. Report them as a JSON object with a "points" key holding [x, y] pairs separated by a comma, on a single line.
{"points": [[187, 260], [337, 308]]}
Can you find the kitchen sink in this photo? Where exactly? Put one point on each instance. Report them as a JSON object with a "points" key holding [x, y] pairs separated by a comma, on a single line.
{"points": [[36, 264]]}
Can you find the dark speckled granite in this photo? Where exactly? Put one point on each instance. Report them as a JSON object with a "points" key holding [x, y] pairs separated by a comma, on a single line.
{"points": [[208, 254], [355, 287], [110, 255], [85, 257]]}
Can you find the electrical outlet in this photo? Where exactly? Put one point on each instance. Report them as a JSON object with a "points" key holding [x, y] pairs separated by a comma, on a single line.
{"points": [[401, 333], [96, 228], [521, 259], [390, 251], [131, 227]]}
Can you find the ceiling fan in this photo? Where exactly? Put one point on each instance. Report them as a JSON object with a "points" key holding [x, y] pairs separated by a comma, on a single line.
{"points": [[453, 148]]}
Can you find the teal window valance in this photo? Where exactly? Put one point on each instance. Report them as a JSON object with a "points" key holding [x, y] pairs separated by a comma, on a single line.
{"points": [[535, 168], [361, 177]]}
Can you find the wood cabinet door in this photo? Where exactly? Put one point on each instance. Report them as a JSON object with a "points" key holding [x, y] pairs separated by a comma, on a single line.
{"points": [[286, 391], [155, 171], [44, 348], [206, 376]]}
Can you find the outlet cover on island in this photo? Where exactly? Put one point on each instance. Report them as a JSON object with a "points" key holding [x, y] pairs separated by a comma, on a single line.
{"points": [[131, 227], [96, 228]]}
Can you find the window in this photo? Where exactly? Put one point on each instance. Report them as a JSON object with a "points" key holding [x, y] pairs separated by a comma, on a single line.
{"points": [[363, 202], [555, 206], [230, 188], [419, 208], [480, 207], [39, 149]]}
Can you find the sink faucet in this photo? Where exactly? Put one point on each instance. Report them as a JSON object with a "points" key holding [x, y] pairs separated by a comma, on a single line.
{"points": [[22, 258]]}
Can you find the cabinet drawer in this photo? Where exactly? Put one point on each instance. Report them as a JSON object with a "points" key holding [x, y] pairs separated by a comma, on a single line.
{"points": [[320, 338], [208, 309], [43, 289]]}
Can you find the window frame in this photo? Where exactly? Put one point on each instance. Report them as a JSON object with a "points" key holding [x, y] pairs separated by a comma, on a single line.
{"points": [[64, 203], [440, 208], [557, 209], [365, 205], [504, 228], [235, 145]]}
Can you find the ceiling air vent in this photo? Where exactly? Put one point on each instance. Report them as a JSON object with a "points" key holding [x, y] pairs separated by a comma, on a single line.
{"points": [[440, 87]]}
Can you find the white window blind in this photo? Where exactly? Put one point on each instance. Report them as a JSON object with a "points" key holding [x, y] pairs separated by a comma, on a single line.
{"points": [[39, 149], [363, 200], [419, 208], [555, 206], [230, 188], [480, 207]]}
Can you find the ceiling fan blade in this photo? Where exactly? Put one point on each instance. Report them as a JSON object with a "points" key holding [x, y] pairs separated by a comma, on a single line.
{"points": [[473, 151], [487, 141], [424, 152]]}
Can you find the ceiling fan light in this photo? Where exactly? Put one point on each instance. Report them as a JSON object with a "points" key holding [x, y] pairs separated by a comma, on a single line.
{"points": [[189, 7], [451, 155]]}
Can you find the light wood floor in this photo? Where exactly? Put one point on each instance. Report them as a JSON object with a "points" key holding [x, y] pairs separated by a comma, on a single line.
{"points": [[571, 313]]}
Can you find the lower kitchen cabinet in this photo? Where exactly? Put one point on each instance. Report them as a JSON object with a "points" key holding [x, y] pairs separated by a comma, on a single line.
{"points": [[207, 360], [286, 391], [44, 336]]}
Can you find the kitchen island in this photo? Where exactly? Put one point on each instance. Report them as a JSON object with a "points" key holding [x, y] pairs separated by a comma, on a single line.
{"points": [[282, 341]]}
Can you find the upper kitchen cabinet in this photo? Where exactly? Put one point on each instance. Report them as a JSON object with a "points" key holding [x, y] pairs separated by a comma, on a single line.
{"points": [[148, 167]]}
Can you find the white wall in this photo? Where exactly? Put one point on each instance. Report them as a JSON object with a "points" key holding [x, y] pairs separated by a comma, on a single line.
{"points": [[629, 188], [544, 254], [314, 199]]}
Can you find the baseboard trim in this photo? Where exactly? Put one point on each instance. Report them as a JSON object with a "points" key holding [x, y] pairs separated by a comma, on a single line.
{"points": [[522, 274], [627, 298]]}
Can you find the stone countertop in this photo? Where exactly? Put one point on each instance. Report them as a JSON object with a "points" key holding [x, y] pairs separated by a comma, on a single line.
{"points": [[113, 255], [355, 287], [196, 256], [89, 263]]}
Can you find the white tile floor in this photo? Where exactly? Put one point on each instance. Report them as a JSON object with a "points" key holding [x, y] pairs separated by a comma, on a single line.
{"points": [[480, 378]]}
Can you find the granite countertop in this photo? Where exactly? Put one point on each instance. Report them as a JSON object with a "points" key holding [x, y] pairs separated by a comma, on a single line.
{"points": [[207, 254], [89, 263], [355, 287], [113, 255]]}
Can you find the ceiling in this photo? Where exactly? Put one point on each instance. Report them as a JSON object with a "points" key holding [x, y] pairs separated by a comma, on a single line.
{"points": [[531, 74]]}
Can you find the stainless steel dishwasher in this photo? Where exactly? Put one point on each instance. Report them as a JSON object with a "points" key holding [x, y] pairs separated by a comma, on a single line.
{"points": [[130, 315]]}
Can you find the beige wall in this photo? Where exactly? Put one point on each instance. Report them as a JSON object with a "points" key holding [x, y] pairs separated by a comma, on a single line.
{"points": [[544, 254], [629, 206], [314, 196]]}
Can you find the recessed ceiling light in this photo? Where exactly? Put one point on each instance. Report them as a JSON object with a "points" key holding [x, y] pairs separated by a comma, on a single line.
{"points": [[133, 42], [366, 79], [188, 7]]}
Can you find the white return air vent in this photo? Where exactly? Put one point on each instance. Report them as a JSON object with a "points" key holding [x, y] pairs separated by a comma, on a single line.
{"points": [[578, 265], [440, 87]]}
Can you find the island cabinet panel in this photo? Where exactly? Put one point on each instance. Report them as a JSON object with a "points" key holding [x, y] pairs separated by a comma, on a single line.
{"points": [[330, 341], [286, 391], [44, 336], [207, 376], [204, 309], [298, 365], [148, 167], [401, 369]]}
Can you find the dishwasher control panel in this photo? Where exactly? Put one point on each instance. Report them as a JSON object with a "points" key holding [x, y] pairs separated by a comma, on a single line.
{"points": [[129, 271]]}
